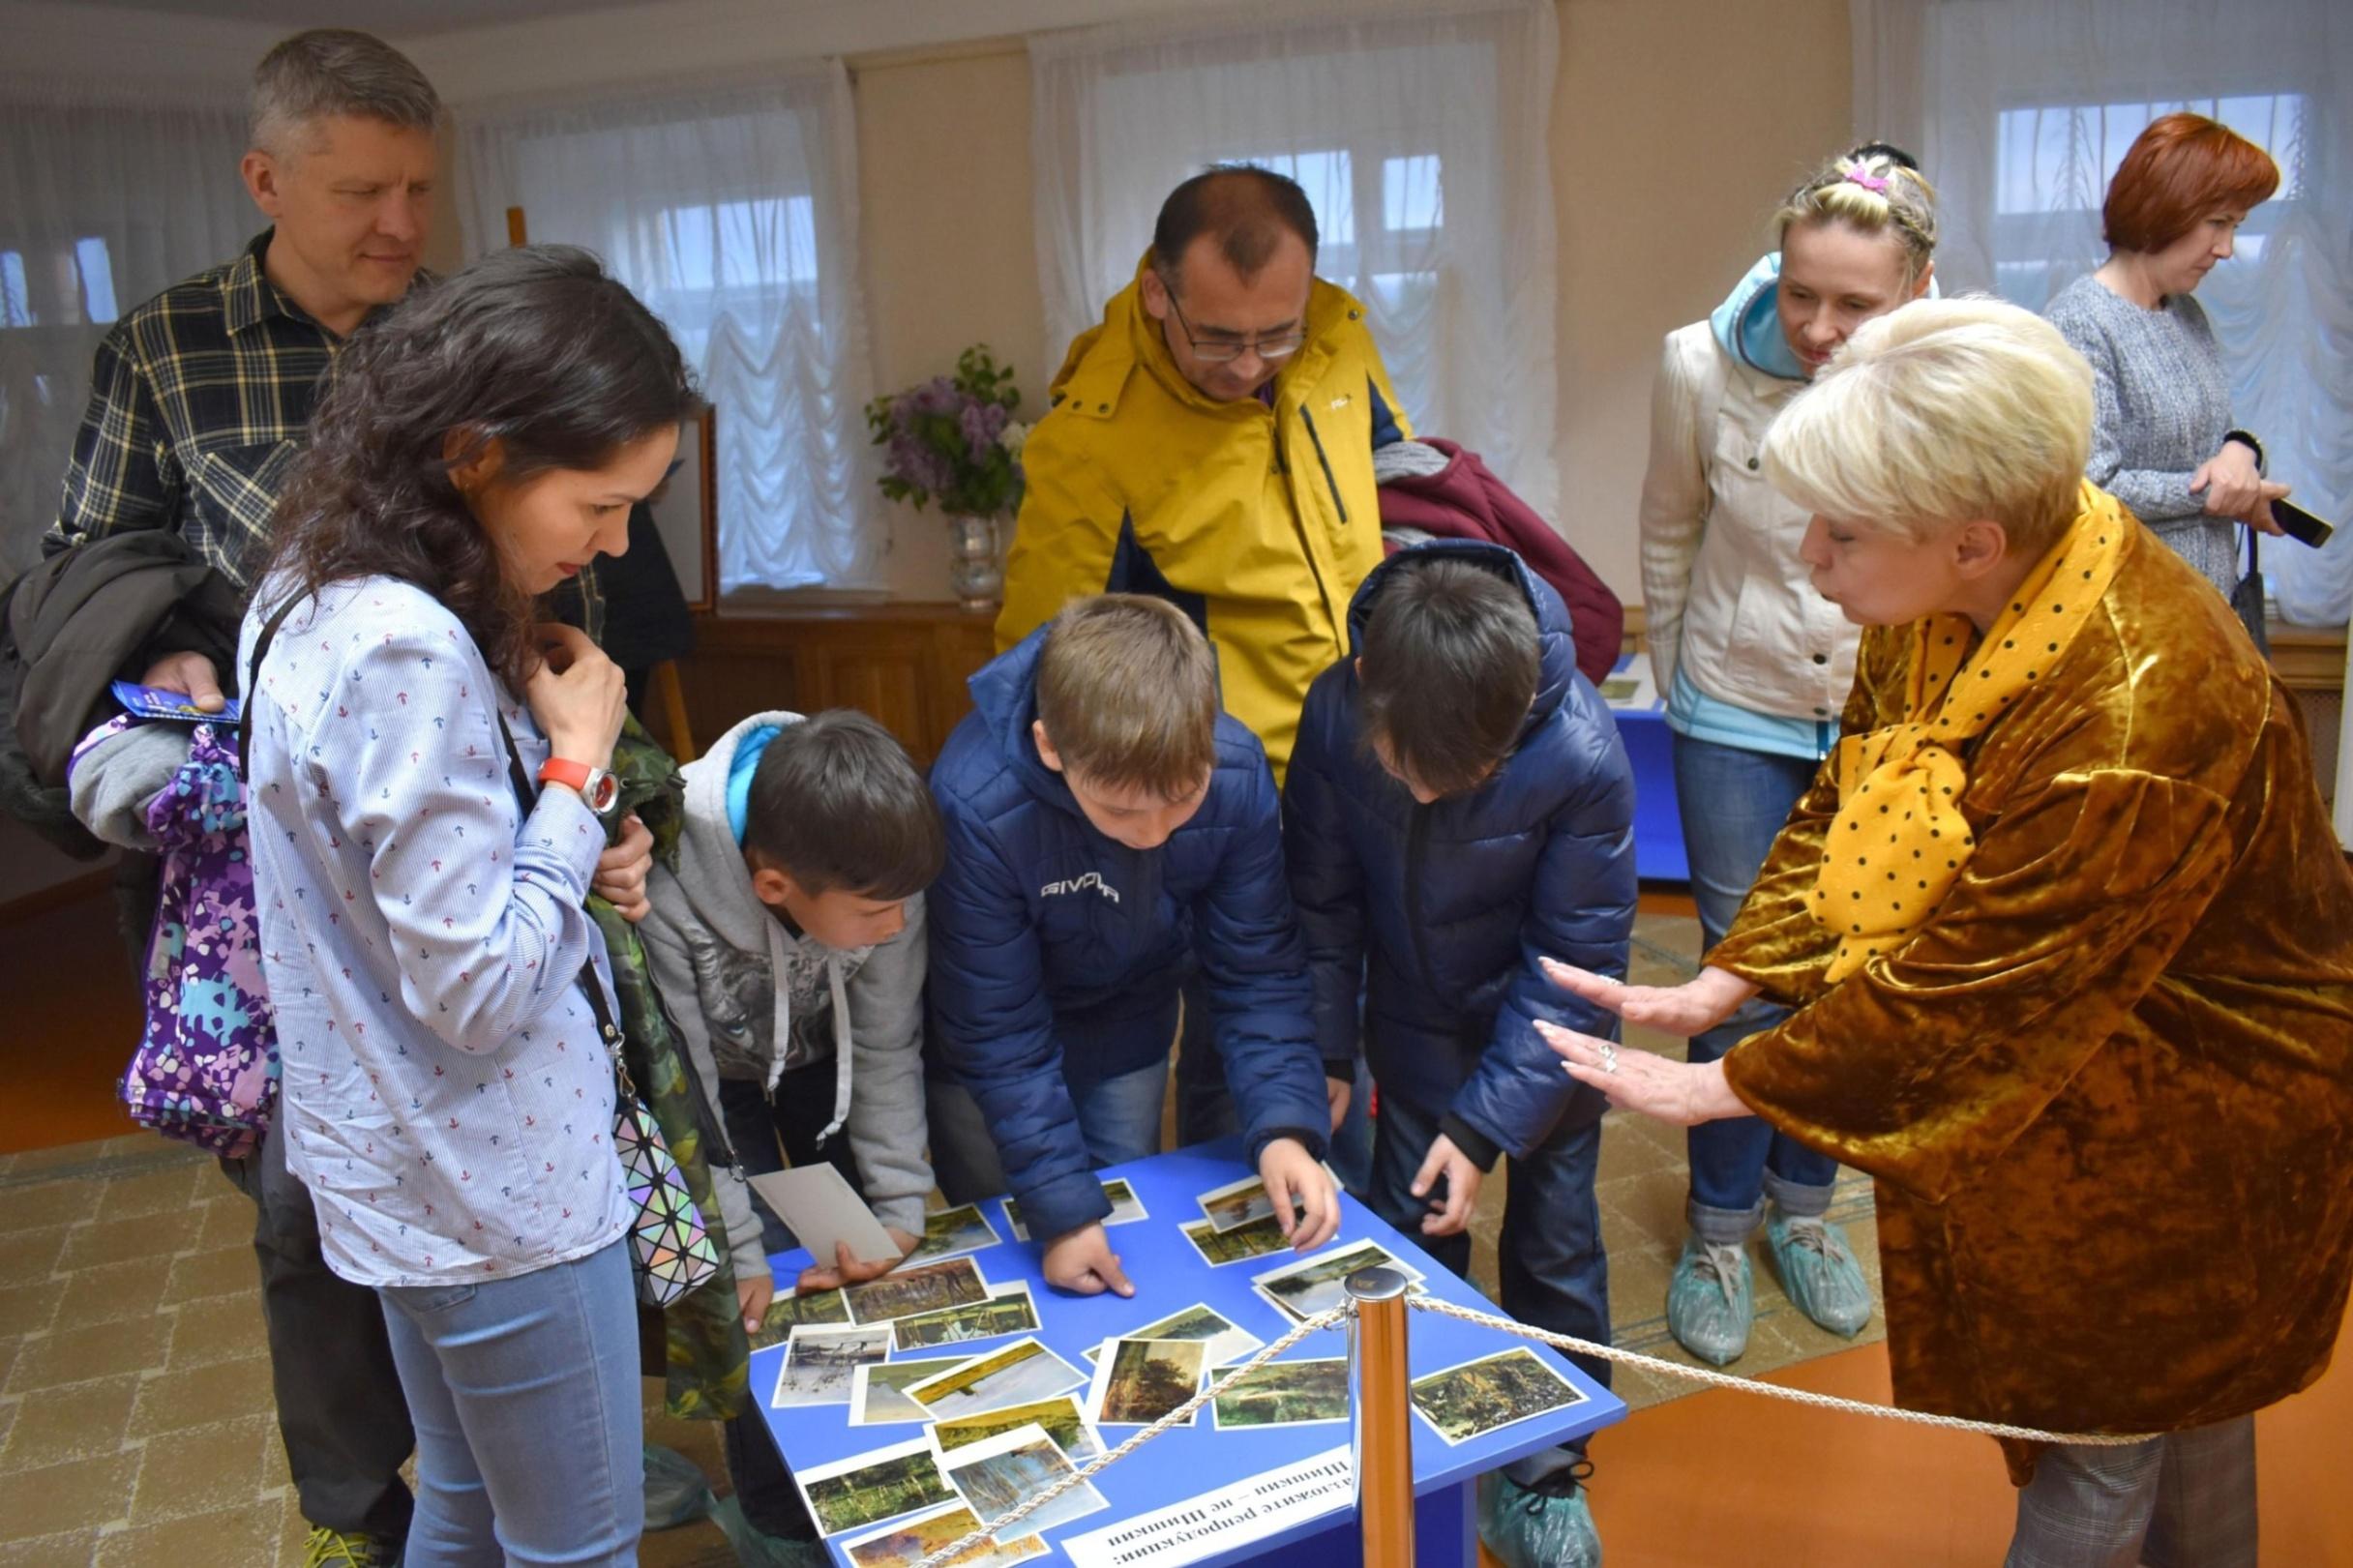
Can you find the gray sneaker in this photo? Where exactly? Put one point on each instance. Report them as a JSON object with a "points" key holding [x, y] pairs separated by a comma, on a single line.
{"points": [[1712, 1301], [1818, 1271]]}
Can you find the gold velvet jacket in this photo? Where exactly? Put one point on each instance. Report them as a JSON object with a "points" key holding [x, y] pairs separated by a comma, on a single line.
{"points": [[2107, 1090]]}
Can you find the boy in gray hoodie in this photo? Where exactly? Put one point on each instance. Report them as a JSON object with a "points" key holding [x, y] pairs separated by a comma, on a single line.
{"points": [[789, 945]]}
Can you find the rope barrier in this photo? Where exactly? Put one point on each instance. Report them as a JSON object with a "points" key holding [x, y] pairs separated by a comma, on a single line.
{"points": [[1424, 1302], [1180, 1416]]}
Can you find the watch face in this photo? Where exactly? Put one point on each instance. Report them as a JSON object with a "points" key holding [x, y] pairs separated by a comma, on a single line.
{"points": [[603, 790]]}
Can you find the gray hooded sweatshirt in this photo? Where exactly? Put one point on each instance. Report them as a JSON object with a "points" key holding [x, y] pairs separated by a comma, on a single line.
{"points": [[753, 999]]}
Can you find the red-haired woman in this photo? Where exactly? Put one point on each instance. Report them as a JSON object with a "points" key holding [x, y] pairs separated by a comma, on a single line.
{"points": [[2163, 441]]}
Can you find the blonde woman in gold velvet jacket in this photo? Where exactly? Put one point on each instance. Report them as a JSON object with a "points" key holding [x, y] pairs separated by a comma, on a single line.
{"points": [[2070, 945]]}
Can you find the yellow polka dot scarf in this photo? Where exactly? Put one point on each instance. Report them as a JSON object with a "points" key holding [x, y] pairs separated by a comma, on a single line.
{"points": [[1899, 840]]}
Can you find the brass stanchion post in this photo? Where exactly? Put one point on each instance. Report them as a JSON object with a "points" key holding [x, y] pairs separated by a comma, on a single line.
{"points": [[1384, 1424]]}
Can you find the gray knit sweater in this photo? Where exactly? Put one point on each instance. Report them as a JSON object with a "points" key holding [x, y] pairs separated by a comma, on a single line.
{"points": [[2160, 407]]}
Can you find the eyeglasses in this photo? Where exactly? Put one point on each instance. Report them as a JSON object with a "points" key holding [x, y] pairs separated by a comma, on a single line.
{"points": [[1224, 350]]}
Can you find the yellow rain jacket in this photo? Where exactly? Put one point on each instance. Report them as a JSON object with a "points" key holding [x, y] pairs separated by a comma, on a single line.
{"points": [[1258, 522]]}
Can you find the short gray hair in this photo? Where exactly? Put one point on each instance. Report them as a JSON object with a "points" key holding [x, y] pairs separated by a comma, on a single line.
{"points": [[334, 71]]}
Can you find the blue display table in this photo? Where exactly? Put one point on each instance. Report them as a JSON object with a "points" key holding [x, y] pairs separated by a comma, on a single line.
{"points": [[1187, 1461], [1658, 824]]}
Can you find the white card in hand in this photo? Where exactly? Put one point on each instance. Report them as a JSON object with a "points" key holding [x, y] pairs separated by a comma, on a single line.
{"points": [[818, 1204]]}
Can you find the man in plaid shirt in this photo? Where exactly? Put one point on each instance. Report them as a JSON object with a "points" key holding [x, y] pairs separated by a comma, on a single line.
{"points": [[200, 398], [198, 403]]}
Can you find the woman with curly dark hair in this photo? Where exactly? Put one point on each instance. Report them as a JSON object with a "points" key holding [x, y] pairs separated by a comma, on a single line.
{"points": [[447, 1096]]}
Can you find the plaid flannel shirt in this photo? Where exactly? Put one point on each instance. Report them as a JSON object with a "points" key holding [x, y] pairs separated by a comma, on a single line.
{"points": [[199, 402]]}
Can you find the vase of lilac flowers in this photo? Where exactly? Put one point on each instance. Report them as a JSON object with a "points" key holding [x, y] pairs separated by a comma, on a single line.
{"points": [[953, 440]]}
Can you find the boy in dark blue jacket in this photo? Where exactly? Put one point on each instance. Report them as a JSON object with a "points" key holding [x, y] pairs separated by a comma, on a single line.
{"points": [[1108, 828], [1459, 807]]}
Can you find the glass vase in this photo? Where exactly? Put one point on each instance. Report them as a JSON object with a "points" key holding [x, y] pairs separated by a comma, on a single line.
{"points": [[977, 571]]}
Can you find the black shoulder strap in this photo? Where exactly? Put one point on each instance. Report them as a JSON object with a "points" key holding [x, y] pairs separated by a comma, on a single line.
{"points": [[253, 680]]}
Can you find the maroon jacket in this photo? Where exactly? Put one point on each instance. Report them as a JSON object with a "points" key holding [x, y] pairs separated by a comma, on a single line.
{"points": [[1464, 501]]}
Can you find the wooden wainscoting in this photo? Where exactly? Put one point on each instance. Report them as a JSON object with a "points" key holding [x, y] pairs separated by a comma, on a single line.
{"points": [[904, 664]]}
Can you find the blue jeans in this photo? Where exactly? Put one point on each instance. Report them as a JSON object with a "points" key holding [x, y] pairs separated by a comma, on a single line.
{"points": [[1119, 1118], [1552, 1269], [529, 1428], [1734, 803]]}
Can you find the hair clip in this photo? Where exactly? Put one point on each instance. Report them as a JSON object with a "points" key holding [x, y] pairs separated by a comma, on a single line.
{"points": [[1876, 184]]}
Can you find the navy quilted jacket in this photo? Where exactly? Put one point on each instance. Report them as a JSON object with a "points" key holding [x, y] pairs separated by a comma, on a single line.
{"points": [[1444, 909], [1057, 953]]}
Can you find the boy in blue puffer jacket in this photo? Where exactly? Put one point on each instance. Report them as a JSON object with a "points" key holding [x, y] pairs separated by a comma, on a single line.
{"points": [[1108, 828], [1459, 807]]}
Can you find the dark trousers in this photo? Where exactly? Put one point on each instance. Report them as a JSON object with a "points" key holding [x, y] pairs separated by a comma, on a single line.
{"points": [[1553, 1271], [340, 1407], [769, 1131], [1205, 1109]]}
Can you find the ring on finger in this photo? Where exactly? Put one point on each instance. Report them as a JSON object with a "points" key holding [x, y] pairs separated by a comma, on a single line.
{"points": [[1609, 1058]]}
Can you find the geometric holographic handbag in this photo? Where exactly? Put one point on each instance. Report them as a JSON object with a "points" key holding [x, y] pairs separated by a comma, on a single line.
{"points": [[668, 1246]]}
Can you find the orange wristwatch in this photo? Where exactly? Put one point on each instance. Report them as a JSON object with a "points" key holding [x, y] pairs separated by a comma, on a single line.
{"points": [[597, 788]]}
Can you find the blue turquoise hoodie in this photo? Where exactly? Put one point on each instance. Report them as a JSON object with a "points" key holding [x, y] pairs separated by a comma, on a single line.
{"points": [[1748, 323]]}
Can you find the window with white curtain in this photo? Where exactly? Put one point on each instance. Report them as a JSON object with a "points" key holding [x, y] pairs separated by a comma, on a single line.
{"points": [[2020, 111], [1420, 140], [106, 200], [732, 213]]}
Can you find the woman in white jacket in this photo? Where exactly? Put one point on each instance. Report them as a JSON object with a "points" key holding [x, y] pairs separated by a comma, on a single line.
{"points": [[1756, 667]]}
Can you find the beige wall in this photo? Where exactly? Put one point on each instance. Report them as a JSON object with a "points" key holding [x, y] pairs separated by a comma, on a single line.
{"points": [[944, 227], [1677, 128]]}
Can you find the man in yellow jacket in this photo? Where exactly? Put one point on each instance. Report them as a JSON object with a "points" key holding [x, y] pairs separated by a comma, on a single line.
{"points": [[1212, 442]]}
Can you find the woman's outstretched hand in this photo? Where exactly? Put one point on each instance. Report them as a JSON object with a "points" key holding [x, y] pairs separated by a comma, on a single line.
{"points": [[1678, 1093], [1642, 1080], [1695, 1007]]}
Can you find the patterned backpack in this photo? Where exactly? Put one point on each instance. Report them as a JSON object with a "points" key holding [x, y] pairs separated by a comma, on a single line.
{"points": [[206, 1066]]}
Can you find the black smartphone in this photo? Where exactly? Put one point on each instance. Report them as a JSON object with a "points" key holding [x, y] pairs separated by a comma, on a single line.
{"points": [[2301, 525]]}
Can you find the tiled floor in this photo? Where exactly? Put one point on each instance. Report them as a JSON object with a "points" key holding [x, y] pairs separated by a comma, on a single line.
{"points": [[135, 1413]]}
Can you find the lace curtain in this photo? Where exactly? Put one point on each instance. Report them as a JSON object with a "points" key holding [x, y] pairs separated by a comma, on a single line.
{"points": [[2021, 110], [734, 215], [1422, 139], [106, 200]]}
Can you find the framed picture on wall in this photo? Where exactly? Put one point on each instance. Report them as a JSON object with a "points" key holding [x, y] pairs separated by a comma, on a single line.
{"points": [[686, 514]]}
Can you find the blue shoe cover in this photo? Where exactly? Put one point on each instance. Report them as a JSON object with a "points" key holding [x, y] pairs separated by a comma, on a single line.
{"points": [[1712, 1301]]}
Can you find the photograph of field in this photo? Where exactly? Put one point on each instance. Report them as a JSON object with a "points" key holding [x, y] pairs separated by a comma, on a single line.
{"points": [[878, 1393], [1017, 1374], [1284, 1394], [1008, 1312], [1319, 1283], [1477, 1397], [870, 1488], [1240, 1245], [1126, 1208], [819, 1361], [905, 1292], [949, 1232], [911, 1540], [1000, 1474], [789, 1313], [1060, 1418], [1138, 1381], [1199, 1321]]}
